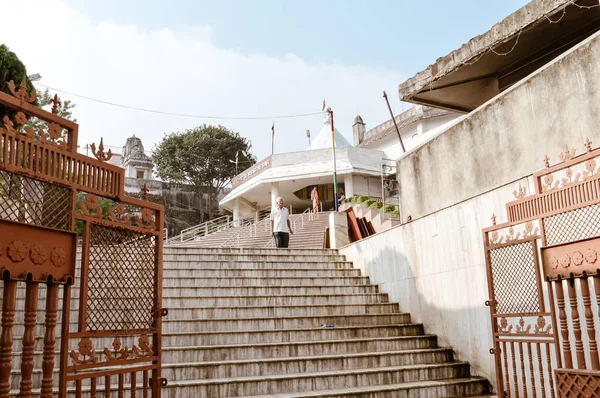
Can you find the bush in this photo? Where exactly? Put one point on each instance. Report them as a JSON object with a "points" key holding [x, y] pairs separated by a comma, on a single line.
{"points": [[368, 203], [395, 213], [389, 208], [376, 205], [361, 199]]}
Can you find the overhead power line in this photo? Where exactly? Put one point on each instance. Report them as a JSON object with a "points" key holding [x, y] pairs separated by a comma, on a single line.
{"points": [[180, 114]]}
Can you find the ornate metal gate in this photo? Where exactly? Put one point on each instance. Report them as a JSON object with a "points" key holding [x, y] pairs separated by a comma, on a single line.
{"points": [[50, 194], [547, 253]]}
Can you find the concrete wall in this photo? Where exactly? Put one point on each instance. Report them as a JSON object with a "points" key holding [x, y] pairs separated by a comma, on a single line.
{"points": [[507, 137], [435, 268]]}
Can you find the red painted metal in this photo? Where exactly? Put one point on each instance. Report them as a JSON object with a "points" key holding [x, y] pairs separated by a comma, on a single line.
{"points": [[41, 177], [566, 208]]}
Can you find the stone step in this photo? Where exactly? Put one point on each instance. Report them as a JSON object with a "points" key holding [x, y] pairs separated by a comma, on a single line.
{"points": [[255, 251], [301, 382], [178, 339], [463, 387], [279, 366], [253, 337], [227, 264], [291, 322], [270, 290], [190, 353], [459, 387], [176, 300], [253, 257], [233, 281], [230, 301], [280, 311], [259, 273]]}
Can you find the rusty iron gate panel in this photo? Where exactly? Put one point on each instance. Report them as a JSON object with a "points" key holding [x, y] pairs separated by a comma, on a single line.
{"points": [[48, 191], [565, 208]]}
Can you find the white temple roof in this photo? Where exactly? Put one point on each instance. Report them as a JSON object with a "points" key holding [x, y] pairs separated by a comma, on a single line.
{"points": [[323, 139]]}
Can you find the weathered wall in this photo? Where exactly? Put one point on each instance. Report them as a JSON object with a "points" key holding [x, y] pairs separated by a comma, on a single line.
{"points": [[507, 137], [435, 268]]}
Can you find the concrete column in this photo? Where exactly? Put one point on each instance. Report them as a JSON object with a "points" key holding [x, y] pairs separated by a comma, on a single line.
{"points": [[338, 229], [236, 211], [274, 193], [349, 186]]}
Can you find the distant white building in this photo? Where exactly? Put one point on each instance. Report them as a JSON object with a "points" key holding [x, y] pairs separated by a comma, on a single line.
{"points": [[359, 167], [416, 125]]}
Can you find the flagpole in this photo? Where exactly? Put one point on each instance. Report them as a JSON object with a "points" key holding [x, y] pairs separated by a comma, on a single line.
{"points": [[335, 195], [273, 139]]}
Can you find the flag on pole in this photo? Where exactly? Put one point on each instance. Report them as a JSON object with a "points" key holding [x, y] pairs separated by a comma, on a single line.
{"points": [[324, 105], [273, 129]]}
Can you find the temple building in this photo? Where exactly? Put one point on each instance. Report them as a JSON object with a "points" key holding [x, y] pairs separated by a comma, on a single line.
{"points": [[359, 166]]}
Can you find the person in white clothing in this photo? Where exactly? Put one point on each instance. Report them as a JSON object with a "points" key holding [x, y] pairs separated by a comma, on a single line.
{"points": [[280, 224]]}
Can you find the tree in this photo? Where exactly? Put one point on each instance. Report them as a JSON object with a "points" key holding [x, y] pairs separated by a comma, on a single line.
{"points": [[202, 157], [11, 68], [65, 110]]}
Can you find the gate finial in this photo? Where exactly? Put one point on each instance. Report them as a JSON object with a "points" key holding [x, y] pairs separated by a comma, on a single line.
{"points": [[588, 145], [145, 191], [100, 154], [493, 218]]}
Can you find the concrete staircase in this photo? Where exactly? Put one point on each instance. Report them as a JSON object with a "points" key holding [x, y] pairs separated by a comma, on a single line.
{"points": [[248, 322], [308, 233]]}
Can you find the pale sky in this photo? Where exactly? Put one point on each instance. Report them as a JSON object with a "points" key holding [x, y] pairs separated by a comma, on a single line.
{"points": [[244, 58]]}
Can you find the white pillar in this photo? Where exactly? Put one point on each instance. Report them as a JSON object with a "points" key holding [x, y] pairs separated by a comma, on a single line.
{"points": [[236, 211], [338, 230], [274, 193], [348, 186]]}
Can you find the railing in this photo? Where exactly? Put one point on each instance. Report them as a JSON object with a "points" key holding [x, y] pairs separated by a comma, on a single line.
{"points": [[303, 218], [244, 229], [22, 154], [203, 229]]}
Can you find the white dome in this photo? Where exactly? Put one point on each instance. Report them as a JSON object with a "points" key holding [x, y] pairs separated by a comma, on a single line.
{"points": [[323, 139]]}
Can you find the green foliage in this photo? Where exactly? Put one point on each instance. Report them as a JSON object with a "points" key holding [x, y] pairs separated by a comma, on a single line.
{"points": [[202, 157], [65, 110], [389, 208], [369, 202], [395, 213], [376, 205], [11, 68], [361, 199]]}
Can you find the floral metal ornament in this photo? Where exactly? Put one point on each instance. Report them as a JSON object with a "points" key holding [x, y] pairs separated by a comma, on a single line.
{"points": [[503, 325], [520, 194], [588, 145], [577, 258], [100, 154], [117, 353], [86, 349], [90, 206], [21, 93], [144, 350], [17, 251], [568, 154], [20, 118], [38, 254], [591, 256], [58, 256], [521, 329], [540, 326], [147, 216]]}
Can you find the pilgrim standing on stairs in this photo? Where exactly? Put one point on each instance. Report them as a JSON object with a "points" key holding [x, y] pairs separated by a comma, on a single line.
{"points": [[280, 224]]}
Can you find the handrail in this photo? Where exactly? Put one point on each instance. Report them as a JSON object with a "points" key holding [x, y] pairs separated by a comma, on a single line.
{"points": [[205, 228]]}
